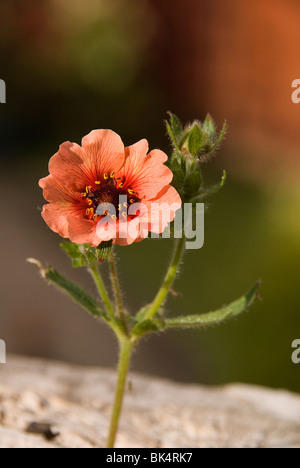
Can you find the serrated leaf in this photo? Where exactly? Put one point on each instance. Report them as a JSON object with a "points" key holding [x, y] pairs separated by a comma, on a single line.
{"points": [[195, 141], [78, 294], [211, 318]]}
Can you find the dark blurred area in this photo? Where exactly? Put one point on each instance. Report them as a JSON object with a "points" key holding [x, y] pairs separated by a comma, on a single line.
{"points": [[71, 67]]}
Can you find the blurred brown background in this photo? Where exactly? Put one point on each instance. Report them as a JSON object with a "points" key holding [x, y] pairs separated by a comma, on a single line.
{"points": [[74, 66]]}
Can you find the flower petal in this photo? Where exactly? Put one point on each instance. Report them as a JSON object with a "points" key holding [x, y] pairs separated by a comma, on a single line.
{"points": [[55, 215], [131, 231], [162, 209], [69, 168], [82, 231], [104, 152], [55, 192], [145, 173]]}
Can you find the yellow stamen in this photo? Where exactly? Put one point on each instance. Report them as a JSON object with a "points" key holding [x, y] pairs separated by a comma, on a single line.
{"points": [[89, 211], [118, 179], [119, 207], [132, 200], [121, 185], [124, 215], [95, 217], [90, 202], [105, 213], [112, 175], [131, 192], [97, 182], [114, 217], [84, 194], [88, 189], [105, 176], [126, 205]]}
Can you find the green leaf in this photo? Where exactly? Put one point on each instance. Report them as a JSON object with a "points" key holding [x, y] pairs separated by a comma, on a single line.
{"points": [[211, 318], [84, 254], [76, 253], [73, 250], [78, 294], [195, 140]]}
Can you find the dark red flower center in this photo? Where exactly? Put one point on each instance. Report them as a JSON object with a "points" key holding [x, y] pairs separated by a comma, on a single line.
{"points": [[108, 197]]}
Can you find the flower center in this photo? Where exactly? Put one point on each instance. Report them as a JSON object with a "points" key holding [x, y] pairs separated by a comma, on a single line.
{"points": [[105, 194]]}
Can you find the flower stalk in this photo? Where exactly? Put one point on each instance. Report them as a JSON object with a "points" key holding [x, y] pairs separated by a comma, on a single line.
{"points": [[126, 347], [94, 271], [169, 279], [120, 310]]}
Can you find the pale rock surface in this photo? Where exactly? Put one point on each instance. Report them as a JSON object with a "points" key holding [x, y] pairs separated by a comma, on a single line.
{"points": [[76, 401]]}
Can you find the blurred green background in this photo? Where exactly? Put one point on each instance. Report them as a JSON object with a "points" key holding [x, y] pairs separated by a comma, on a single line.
{"points": [[71, 67]]}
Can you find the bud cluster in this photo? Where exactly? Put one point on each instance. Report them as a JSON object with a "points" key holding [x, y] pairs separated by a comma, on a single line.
{"points": [[193, 145]]}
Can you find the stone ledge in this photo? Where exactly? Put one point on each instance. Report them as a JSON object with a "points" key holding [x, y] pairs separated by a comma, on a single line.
{"points": [[76, 402]]}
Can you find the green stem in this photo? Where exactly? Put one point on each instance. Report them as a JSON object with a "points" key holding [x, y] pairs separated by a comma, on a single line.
{"points": [[117, 290], [169, 279], [126, 347], [94, 270]]}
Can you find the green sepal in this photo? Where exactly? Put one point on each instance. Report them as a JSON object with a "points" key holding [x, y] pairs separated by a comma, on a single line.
{"points": [[221, 136], [195, 141], [209, 127], [104, 249], [192, 183], [174, 129]]}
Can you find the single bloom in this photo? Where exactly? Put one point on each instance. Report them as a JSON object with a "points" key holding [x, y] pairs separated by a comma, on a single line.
{"points": [[103, 182]]}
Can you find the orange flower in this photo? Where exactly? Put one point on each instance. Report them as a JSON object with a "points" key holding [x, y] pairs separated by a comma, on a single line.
{"points": [[96, 174]]}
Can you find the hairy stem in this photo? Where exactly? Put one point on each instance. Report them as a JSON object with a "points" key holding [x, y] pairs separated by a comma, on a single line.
{"points": [[169, 279], [126, 347], [117, 290], [94, 270]]}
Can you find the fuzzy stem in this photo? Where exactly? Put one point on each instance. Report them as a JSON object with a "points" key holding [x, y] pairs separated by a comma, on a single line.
{"points": [[117, 290], [126, 347], [94, 270], [169, 279]]}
